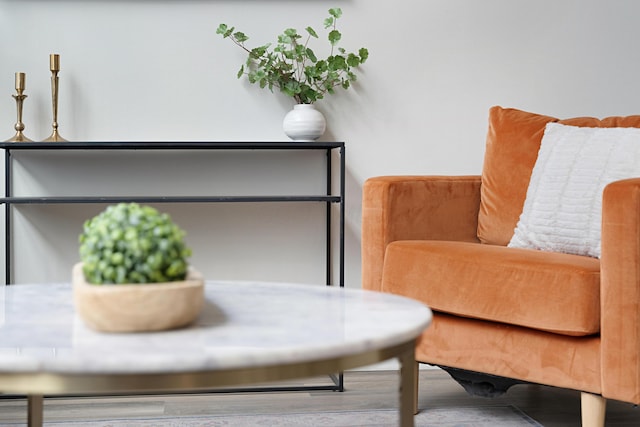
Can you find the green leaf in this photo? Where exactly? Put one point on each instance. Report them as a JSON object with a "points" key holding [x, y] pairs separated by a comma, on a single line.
{"points": [[334, 37], [328, 22], [259, 51], [260, 74], [337, 62], [312, 56], [240, 36], [335, 12], [312, 32], [364, 54], [322, 66], [285, 39], [291, 88], [309, 95], [312, 73], [222, 28], [300, 51], [291, 32], [240, 71], [332, 76], [353, 60]]}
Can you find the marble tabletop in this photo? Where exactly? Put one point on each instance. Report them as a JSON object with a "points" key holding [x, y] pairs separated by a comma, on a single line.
{"points": [[242, 324]]}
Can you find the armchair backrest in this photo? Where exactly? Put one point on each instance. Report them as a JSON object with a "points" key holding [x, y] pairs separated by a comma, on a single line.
{"points": [[512, 145]]}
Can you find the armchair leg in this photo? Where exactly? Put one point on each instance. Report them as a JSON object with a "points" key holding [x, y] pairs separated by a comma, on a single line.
{"points": [[416, 378], [593, 409]]}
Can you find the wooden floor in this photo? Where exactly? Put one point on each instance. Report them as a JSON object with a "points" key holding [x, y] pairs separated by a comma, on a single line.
{"points": [[364, 390]]}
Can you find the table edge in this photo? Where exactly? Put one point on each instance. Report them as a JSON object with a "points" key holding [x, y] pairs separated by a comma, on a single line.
{"points": [[91, 383]]}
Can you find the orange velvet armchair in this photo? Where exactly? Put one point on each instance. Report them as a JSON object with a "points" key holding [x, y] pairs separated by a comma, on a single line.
{"points": [[518, 314]]}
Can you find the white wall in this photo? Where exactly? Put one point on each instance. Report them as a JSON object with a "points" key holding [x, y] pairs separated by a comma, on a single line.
{"points": [[145, 70]]}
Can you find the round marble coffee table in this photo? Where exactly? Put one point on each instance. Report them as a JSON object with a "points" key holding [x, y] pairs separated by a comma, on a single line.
{"points": [[247, 333]]}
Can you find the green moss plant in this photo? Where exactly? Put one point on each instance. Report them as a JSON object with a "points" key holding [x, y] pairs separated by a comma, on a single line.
{"points": [[130, 243]]}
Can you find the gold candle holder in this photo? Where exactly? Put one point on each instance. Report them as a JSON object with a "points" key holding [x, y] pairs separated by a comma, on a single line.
{"points": [[54, 66], [20, 97]]}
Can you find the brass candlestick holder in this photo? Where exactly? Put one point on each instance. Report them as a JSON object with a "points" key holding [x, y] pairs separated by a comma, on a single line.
{"points": [[54, 66], [20, 97]]}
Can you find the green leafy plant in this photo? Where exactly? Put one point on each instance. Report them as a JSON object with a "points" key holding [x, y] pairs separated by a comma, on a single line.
{"points": [[129, 243], [292, 66]]}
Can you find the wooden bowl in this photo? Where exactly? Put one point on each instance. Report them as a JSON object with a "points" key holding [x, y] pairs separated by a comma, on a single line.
{"points": [[138, 307]]}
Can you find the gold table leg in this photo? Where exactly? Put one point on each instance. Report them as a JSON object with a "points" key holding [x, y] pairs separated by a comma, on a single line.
{"points": [[408, 395], [35, 404]]}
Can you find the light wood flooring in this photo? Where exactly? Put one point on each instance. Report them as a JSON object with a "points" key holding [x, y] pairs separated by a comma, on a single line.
{"points": [[552, 407]]}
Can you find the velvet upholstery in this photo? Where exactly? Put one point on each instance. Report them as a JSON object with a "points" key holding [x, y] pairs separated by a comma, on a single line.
{"points": [[541, 290], [549, 318], [513, 352], [620, 291], [415, 207]]}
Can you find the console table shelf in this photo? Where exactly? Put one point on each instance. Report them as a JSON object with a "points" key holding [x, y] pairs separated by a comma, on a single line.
{"points": [[334, 194], [166, 199], [168, 145]]}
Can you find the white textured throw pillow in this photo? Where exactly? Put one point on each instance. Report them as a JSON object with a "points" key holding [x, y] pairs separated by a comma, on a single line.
{"points": [[563, 208]]}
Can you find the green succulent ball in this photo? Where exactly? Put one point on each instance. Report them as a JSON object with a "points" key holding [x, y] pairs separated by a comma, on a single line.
{"points": [[130, 243]]}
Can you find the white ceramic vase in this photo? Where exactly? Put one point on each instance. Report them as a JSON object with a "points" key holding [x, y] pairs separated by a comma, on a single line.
{"points": [[304, 123]]}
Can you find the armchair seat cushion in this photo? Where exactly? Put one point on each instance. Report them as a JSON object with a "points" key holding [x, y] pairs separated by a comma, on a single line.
{"points": [[547, 291]]}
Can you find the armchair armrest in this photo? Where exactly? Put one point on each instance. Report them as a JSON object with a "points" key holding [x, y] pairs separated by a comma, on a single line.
{"points": [[415, 208], [620, 290]]}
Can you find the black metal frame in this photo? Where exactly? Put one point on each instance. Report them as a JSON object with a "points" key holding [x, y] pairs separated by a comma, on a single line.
{"points": [[329, 198]]}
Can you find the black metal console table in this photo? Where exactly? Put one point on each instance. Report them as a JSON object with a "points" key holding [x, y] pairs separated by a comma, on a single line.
{"points": [[328, 197]]}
